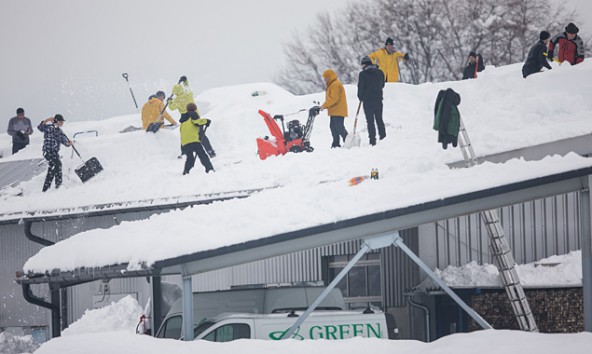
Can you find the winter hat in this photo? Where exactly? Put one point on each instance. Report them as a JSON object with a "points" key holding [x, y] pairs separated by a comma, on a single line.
{"points": [[183, 79], [20, 111], [58, 118], [160, 94], [544, 35], [571, 28], [366, 61], [473, 54], [390, 41], [191, 107]]}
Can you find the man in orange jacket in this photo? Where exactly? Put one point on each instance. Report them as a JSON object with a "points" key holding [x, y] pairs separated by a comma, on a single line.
{"points": [[336, 105], [151, 110]]}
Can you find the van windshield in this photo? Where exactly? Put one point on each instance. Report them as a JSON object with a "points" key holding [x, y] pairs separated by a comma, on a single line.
{"points": [[202, 327]]}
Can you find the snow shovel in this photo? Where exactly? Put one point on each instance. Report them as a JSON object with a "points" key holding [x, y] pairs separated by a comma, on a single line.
{"points": [[353, 140], [88, 169]]}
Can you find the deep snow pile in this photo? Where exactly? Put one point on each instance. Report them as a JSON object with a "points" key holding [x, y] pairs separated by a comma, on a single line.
{"points": [[501, 111], [555, 271], [122, 315], [100, 338]]}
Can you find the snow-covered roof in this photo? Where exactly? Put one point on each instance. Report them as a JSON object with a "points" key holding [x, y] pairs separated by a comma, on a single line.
{"points": [[501, 110]]}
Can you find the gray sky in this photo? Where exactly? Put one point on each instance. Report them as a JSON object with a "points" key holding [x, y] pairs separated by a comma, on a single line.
{"points": [[67, 56]]}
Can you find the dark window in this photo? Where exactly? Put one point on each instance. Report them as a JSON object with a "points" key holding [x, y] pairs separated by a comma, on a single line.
{"points": [[229, 332], [172, 327], [361, 287]]}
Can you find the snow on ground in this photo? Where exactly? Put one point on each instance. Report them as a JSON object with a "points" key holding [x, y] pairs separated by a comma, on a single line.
{"points": [[555, 271], [112, 330], [501, 111]]}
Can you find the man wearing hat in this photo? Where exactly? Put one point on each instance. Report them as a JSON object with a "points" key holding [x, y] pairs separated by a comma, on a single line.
{"points": [[53, 136], [569, 46], [19, 128], [152, 110], [536, 56], [370, 85], [474, 65], [387, 59]]}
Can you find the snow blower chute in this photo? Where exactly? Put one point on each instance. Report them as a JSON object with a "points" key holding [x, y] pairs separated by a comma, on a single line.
{"points": [[295, 139]]}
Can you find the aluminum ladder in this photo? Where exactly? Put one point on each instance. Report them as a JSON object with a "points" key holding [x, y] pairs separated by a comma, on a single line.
{"points": [[501, 251]]}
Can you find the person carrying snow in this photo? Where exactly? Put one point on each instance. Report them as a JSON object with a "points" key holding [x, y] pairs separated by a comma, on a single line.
{"points": [[184, 96], [536, 56], [191, 126], [370, 85], [474, 65], [151, 111], [570, 46], [53, 136], [19, 128], [336, 106], [387, 59]]}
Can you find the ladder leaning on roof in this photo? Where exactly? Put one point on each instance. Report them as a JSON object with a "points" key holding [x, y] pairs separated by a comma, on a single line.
{"points": [[501, 251]]}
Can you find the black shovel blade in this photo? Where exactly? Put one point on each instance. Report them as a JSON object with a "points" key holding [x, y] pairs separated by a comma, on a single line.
{"points": [[89, 169], [154, 127]]}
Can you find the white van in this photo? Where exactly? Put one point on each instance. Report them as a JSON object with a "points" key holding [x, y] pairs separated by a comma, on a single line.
{"points": [[319, 325], [206, 305]]}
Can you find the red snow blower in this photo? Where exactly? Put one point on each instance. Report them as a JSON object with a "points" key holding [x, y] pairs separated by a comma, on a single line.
{"points": [[295, 139]]}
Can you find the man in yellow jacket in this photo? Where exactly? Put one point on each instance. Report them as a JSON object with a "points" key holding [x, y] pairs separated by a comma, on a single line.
{"points": [[387, 59], [183, 97], [336, 105], [152, 109]]}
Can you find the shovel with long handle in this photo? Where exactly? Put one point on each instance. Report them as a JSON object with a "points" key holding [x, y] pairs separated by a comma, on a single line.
{"points": [[354, 139], [125, 76]]}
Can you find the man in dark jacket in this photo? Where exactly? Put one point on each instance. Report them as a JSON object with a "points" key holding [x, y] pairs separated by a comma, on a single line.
{"points": [[570, 46], [53, 136], [474, 64], [536, 56], [370, 85], [19, 128]]}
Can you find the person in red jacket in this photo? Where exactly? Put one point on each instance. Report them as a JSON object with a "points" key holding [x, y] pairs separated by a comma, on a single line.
{"points": [[568, 45]]}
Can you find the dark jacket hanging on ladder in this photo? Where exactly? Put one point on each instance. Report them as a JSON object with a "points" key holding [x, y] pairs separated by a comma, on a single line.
{"points": [[447, 117]]}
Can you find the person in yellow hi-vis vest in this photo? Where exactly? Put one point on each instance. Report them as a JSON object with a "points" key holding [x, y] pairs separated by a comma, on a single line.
{"points": [[387, 59], [183, 97]]}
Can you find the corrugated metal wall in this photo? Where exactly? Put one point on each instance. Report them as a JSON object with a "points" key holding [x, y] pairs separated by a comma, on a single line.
{"points": [[534, 230], [293, 267], [16, 249], [399, 273]]}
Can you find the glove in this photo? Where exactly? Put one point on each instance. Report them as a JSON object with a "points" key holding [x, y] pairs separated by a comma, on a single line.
{"points": [[183, 79], [315, 110], [21, 135], [406, 56], [208, 123], [550, 56], [169, 100]]}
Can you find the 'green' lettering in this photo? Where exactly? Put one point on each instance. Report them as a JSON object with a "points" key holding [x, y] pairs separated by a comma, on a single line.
{"points": [[357, 331], [343, 330], [330, 330], [314, 331], [376, 330]]}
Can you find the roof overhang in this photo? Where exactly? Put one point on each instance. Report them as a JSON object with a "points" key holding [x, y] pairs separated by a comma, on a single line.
{"points": [[355, 228]]}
